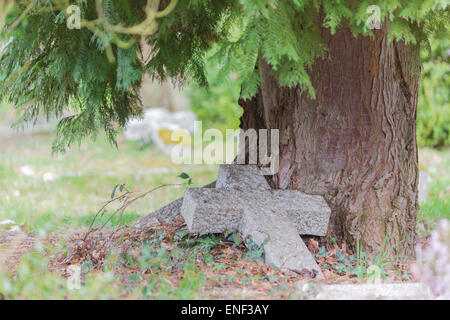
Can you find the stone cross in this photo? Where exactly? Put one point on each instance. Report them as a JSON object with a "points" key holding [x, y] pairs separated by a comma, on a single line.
{"points": [[243, 201]]}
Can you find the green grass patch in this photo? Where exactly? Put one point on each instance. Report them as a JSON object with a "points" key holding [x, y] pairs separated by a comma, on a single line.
{"points": [[82, 179], [437, 164]]}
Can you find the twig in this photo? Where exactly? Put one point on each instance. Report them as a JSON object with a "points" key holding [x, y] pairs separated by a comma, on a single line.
{"points": [[127, 201]]}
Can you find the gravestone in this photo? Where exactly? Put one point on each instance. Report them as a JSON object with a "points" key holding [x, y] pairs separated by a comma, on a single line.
{"points": [[166, 214], [243, 201]]}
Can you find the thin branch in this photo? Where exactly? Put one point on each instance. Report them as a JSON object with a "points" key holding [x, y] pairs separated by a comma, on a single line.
{"points": [[127, 201]]}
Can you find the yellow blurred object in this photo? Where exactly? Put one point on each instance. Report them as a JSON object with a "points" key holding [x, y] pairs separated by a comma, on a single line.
{"points": [[167, 136]]}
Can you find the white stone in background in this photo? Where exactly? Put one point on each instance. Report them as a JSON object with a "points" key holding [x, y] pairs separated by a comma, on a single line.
{"points": [[423, 186], [27, 171], [184, 119], [156, 119], [48, 176], [14, 229], [7, 222], [140, 128], [9, 226]]}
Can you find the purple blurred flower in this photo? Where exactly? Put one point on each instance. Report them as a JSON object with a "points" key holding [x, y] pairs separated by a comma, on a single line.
{"points": [[433, 262]]}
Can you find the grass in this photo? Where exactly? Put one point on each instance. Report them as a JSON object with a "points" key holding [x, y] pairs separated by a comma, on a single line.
{"points": [[437, 206], [167, 263], [85, 179]]}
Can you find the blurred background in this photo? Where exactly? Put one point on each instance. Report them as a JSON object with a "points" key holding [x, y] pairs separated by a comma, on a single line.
{"points": [[42, 192]]}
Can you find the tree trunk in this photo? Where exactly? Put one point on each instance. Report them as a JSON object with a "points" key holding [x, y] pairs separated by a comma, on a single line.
{"points": [[355, 144]]}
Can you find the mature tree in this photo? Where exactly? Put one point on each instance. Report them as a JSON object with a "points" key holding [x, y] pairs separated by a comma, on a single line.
{"points": [[341, 89]]}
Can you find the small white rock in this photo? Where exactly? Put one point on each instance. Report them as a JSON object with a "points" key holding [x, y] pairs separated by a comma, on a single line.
{"points": [[9, 225], [27, 171], [7, 221], [48, 176], [14, 229]]}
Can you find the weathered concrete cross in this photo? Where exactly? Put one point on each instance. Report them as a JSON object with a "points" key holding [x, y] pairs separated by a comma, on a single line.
{"points": [[243, 201]]}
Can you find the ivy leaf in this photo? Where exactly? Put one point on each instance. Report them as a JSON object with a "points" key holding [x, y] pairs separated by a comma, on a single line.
{"points": [[114, 191], [236, 239], [322, 252], [341, 268], [184, 175]]}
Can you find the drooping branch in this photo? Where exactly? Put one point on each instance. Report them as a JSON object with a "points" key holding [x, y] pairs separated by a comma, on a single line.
{"points": [[107, 32]]}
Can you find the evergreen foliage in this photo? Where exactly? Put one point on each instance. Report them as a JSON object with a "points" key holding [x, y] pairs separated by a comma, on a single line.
{"points": [[217, 105], [433, 111], [47, 68]]}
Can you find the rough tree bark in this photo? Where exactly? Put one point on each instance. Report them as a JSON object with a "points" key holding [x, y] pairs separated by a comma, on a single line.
{"points": [[355, 144]]}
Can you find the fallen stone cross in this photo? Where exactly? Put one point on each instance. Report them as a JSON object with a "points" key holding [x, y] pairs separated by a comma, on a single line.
{"points": [[164, 215], [243, 201]]}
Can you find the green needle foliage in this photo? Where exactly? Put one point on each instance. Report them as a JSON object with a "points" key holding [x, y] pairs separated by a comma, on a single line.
{"points": [[47, 68]]}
